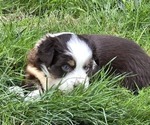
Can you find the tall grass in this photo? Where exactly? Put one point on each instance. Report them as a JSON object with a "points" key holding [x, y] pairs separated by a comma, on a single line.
{"points": [[22, 23]]}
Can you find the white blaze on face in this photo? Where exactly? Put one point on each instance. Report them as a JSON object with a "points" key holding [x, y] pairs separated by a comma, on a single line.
{"points": [[81, 53]]}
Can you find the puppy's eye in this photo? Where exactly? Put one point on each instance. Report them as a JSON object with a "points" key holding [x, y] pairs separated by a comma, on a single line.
{"points": [[66, 68], [86, 68]]}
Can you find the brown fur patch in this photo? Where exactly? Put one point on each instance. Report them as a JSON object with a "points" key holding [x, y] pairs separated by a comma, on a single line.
{"points": [[32, 57], [44, 81], [71, 63]]}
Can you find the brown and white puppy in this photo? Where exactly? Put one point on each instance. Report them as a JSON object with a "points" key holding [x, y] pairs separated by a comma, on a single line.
{"points": [[67, 59], [63, 58]]}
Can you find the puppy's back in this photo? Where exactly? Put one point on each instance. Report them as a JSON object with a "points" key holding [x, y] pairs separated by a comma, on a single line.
{"points": [[129, 58]]}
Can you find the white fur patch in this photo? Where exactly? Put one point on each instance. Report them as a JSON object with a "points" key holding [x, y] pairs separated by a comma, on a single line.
{"points": [[32, 96], [81, 53], [16, 90], [58, 34], [79, 50]]}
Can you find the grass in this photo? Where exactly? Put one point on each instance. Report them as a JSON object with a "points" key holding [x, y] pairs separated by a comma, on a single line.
{"points": [[22, 23]]}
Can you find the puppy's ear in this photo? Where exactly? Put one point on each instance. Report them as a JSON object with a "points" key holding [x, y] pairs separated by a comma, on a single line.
{"points": [[46, 50]]}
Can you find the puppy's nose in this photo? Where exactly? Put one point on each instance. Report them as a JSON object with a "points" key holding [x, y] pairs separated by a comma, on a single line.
{"points": [[75, 85], [78, 82]]}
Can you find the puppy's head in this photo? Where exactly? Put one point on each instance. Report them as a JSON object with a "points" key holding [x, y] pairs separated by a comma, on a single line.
{"points": [[65, 59]]}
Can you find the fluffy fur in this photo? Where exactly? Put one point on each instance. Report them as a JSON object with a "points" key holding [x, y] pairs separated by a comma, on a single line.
{"points": [[68, 59], [129, 58], [64, 59]]}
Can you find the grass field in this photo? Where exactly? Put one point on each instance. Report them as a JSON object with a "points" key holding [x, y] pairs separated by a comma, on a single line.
{"points": [[22, 23]]}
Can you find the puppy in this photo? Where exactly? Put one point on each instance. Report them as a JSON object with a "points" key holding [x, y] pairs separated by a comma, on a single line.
{"points": [[63, 58], [67, 60]]}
